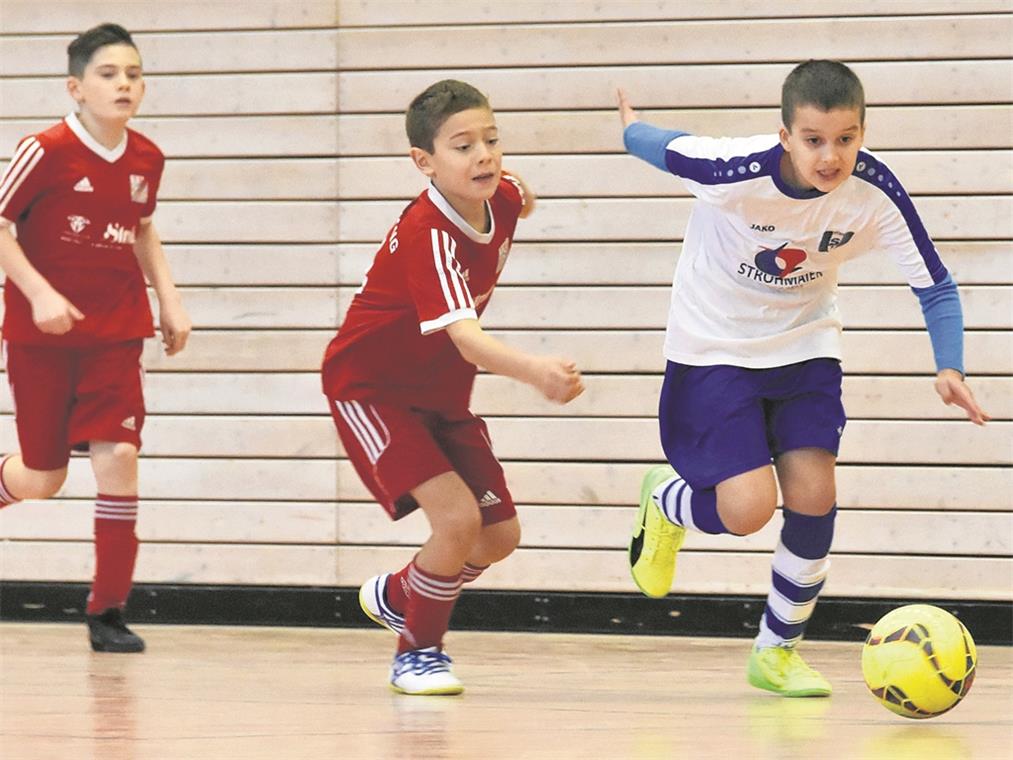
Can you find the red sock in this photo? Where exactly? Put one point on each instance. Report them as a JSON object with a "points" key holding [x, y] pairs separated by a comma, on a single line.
{"points": [[427, 615], [115, 552], [6, 497], [470, 572], [397, 589]]}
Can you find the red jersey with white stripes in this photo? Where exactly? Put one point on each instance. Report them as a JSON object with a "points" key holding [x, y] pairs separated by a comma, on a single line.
{"points": [[77, 206], [433, 269]]}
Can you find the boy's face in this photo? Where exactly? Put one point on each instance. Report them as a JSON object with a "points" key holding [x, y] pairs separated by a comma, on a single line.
{"points": [[112, 85], [822, 147], [466, 158]]}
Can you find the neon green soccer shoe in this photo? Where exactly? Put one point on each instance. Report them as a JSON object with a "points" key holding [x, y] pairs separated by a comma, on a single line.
{"points": [[655, 540], [783, 671]]}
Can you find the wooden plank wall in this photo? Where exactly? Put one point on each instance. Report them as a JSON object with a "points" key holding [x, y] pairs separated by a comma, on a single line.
{"points": [[270, 118]]}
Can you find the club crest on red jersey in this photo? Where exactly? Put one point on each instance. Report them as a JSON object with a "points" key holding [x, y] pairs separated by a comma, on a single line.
{"points": [[138, 188]]}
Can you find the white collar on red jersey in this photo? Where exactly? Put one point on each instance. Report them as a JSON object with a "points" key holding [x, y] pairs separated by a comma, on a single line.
{"points": [[448, 211], [109, 154]]}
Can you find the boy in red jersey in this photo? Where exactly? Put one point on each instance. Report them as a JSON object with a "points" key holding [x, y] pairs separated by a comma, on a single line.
{"points": [[398, 376], [81, 195]]}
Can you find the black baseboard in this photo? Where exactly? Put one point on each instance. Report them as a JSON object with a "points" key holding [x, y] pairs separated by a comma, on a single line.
{"points": [[556, 612]]}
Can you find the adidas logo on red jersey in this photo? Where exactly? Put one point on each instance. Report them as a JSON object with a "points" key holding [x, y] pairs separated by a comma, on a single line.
{"points": [[489, 499], [84, 186]]}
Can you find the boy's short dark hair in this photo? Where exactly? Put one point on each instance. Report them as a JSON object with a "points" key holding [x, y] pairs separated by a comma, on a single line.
{"points": [[824, 84], [435, 105], [80, 51]]}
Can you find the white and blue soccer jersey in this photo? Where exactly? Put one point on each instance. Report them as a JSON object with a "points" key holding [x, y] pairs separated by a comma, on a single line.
{"points": [[757, 280]]}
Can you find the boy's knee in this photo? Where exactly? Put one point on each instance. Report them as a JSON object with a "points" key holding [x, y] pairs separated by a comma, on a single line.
{"points": [[747, 515], [41, 484], [462, 523], [503, 537]]}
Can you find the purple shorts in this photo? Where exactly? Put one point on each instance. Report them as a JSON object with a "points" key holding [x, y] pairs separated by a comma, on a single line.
{"points": [[719, 421]]}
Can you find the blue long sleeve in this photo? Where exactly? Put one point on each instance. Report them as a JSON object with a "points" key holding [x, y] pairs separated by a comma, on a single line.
{"points": [[944, 319], [649, 143]]}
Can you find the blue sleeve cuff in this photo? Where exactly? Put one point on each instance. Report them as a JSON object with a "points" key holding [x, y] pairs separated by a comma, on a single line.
{"points": [[649, 143], [944, 319]]}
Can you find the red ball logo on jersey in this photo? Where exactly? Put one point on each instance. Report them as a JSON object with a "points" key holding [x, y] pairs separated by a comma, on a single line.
{"points": [[780, 261]]}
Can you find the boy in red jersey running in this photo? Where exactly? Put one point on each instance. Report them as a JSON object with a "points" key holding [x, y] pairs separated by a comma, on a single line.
{"points": [[398, 376], [82, 194]]}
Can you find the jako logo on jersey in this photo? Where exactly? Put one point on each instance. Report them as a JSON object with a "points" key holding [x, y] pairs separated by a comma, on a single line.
{"points": [[138, 188], [832, 239], [77, 223], [84, 186], [116, 233], [762, 227], [781, 261]]}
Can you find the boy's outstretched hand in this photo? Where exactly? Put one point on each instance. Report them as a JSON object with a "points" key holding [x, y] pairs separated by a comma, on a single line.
{"points": [[626, 112], [558, 379], [953, 390], [175, 326]]}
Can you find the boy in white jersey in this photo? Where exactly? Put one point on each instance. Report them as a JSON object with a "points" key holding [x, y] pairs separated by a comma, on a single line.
{"points": [[753, 342]]}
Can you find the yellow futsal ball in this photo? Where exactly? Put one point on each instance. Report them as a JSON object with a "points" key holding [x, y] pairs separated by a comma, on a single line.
{"points": [[919, 661]]}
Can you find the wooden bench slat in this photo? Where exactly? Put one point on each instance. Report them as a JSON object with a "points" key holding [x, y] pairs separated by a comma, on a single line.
{"points": [[390, 13], [961, 488], [647, 263], [188, 94], [865, 396], [72, 16], [544, 526], [666, 42], [984, 217], [546, 439], [949, 172], [189, 52], [893, 351], [527, 569], [699, 85], [923, 126]]}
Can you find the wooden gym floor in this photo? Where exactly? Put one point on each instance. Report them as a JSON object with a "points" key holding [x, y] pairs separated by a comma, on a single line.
{"points": [[274, 693]]}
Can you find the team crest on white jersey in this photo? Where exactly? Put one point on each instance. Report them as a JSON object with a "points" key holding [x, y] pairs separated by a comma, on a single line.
{"points": [[77, 223], [138, 188], [832, 239], [84, 186], [504, 251]]}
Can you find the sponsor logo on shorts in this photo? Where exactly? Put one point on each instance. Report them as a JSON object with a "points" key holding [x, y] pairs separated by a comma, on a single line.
{"points": [[130, 423]]}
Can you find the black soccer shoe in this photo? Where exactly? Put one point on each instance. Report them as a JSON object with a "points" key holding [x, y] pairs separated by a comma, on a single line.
{"points": [[108, 633]]}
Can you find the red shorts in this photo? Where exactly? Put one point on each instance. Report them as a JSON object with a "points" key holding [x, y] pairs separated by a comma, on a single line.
{"points": [[66, 397], [394, 449]]}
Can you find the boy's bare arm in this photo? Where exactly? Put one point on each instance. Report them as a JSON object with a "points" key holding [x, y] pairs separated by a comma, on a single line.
{"points": [[51, 312], [173, 320], [556, 379]]}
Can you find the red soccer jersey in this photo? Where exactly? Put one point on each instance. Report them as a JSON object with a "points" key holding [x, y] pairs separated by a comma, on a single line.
{"points": [[433, 269], [77, 206]]}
